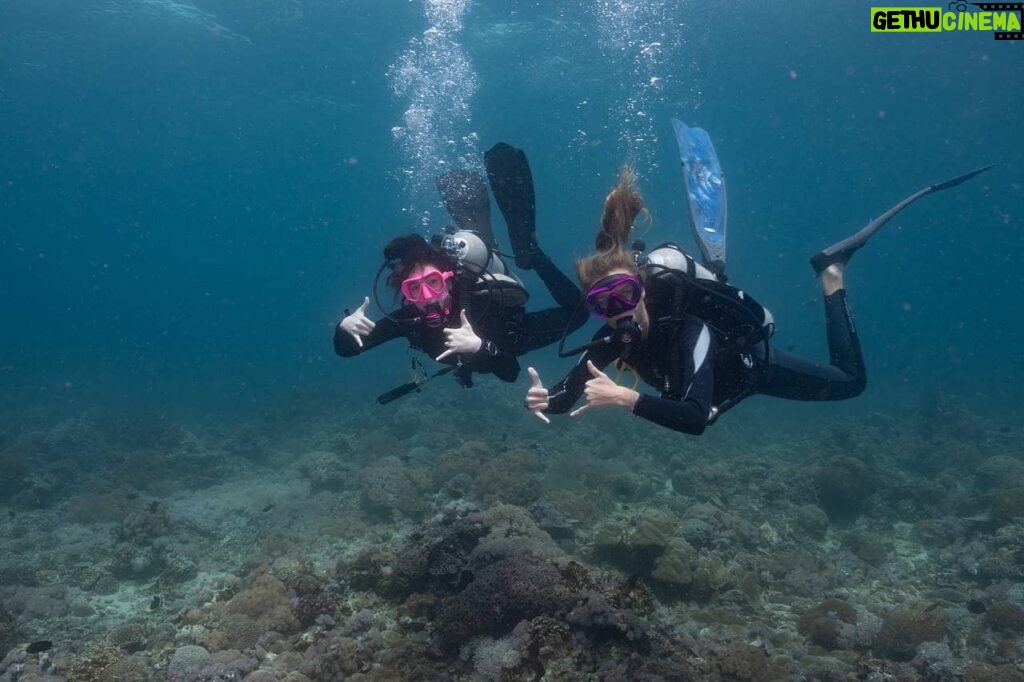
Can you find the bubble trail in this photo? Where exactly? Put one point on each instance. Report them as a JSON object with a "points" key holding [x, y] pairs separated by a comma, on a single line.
{"points": [[438, 80]]}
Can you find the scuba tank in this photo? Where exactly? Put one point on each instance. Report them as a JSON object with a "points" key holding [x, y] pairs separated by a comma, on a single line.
{"points": [[479, 267], [673, 275]]}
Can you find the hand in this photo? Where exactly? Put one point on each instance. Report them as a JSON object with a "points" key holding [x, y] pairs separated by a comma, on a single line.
{"points": [[602, 392], [358, 324], [461, 339], [537, 396]]}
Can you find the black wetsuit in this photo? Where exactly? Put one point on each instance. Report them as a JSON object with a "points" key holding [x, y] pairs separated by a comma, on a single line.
{"points": [[698, 378], [506, 331]]}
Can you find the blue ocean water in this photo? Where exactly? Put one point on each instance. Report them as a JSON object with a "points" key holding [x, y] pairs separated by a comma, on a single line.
{"points": [[190, 194]]}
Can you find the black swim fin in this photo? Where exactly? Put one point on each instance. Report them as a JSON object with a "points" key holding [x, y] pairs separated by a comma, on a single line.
{"points": [[465, 196], [512, 185], [841, 251]]}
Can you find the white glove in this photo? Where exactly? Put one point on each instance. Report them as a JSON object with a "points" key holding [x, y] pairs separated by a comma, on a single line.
{"points": [[358, 324], [537, 397], [461, 339]]}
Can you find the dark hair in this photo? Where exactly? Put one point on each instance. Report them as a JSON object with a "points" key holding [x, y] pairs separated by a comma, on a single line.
{"points": [[407, 251], [621, 208]]}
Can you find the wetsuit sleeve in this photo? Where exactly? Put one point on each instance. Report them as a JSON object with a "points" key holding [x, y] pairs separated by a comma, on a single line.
{"points": [[563, 395], [491, 358], [384, 330], [497, 355], [690, 412]]}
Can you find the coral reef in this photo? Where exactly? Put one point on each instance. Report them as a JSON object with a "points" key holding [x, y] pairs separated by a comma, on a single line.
{"points": [[267, 602], [1007, 504], [867, 547], [843, 483], [389, 487], [129, 638], [326, 472], [8, 630], [501, 594], [186, 663], [905, 628], [1005, 617], [824, 624], [305, 547]]}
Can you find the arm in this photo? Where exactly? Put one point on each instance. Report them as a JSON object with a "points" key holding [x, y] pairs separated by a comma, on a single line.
{"points": [[565, 393], [496, 354], [346, 346], [491, 358], [477, 351], [688, 414]]}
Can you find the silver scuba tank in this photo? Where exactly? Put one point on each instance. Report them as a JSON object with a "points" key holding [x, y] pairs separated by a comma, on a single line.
{"points": [[491, 277], [668, 260]]}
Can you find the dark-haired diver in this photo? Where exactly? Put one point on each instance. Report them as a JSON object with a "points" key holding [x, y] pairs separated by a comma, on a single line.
{"points": [[701, 343], [461, 305]]}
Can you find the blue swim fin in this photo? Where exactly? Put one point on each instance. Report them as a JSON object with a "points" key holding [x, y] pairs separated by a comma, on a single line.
{"points": [[705, 193]]}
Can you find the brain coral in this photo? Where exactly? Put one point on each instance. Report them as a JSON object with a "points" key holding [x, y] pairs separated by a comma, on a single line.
{"points": [[501, 594]]}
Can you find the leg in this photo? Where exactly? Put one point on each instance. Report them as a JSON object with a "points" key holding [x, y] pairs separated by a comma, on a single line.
{"points": [[562, 289], [546, 327], [789, 376], [541, 328]]}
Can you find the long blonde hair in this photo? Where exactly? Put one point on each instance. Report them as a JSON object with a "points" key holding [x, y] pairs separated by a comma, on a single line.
{"points": [[622, 206]]}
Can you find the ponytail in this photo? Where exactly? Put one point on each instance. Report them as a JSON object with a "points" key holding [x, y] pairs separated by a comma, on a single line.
{"points": [[622, 206]]}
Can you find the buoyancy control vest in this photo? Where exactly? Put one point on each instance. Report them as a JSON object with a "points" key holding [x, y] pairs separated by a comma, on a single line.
{"points": [[682, 285], [678, 285]]}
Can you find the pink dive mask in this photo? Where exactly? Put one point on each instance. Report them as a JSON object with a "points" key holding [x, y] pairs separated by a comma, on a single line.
{"points": [[427, 287], [429, 290]]}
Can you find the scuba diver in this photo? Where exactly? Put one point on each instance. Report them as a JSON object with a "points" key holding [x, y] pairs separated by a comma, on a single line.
{"points": [[461, 304], [674, 323]]}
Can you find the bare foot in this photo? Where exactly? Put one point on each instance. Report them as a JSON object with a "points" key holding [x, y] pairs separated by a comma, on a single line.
{"points": [[832, 278]]}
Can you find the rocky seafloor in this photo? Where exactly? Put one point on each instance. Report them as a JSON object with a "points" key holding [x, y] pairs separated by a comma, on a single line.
{"points": [[457, 538]]}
